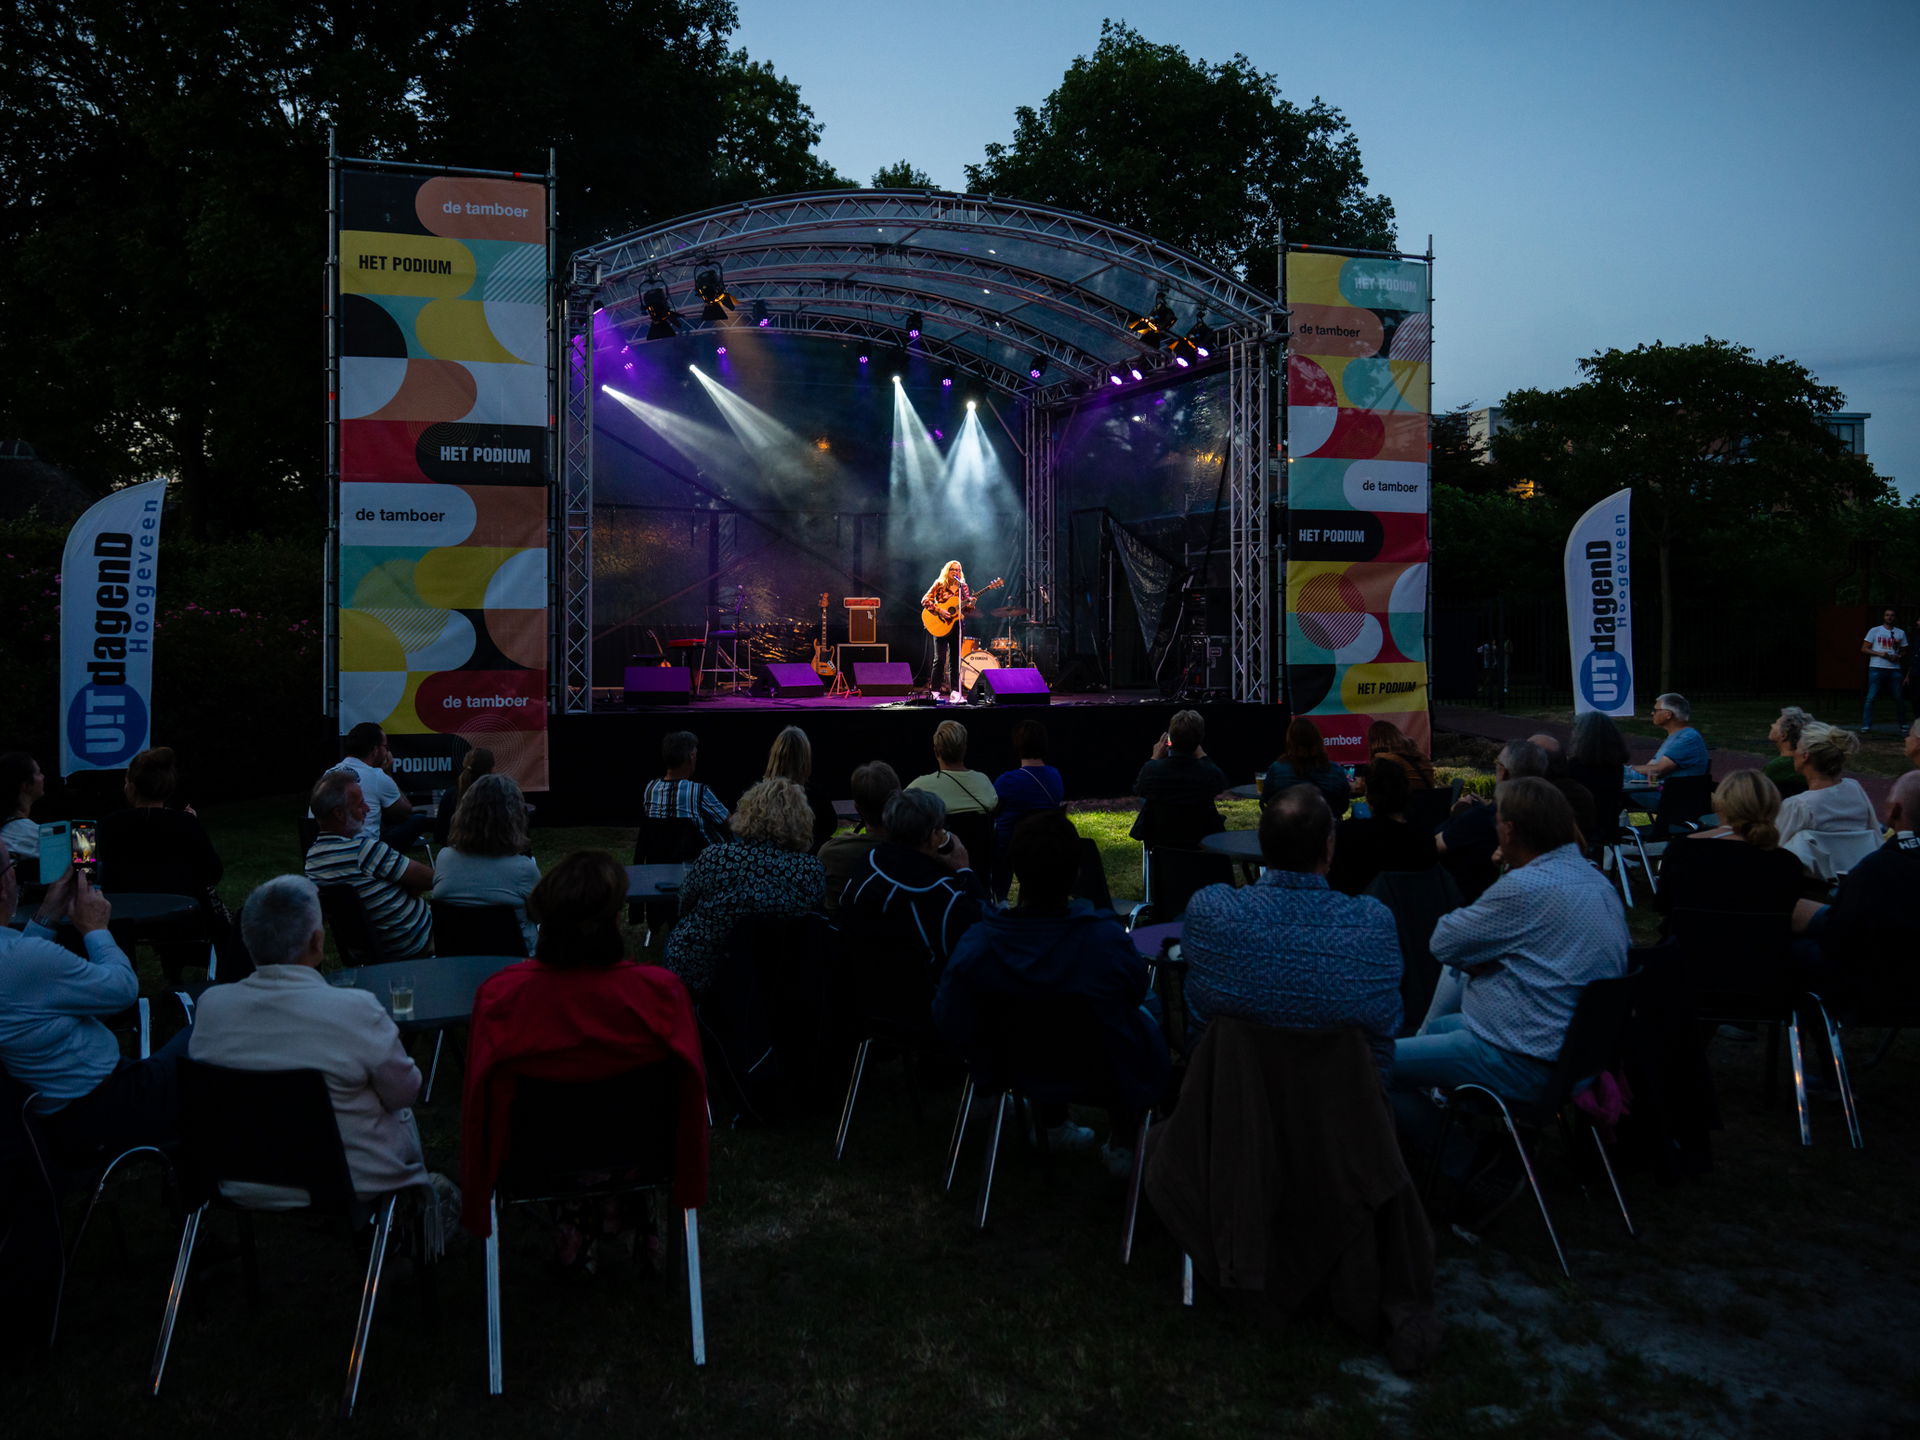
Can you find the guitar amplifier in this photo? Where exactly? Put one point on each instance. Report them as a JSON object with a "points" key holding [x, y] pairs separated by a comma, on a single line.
{"points": [[863, 616], [846, 656]]}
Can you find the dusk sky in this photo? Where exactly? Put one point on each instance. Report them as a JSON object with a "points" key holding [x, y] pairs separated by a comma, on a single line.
{"points": [[1592, 176]]}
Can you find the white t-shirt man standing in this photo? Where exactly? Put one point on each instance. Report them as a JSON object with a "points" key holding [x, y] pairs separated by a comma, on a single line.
{"points": [[1884, 644]]}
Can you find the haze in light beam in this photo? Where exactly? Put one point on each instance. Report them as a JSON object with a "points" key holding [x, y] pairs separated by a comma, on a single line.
{"points": [[702, 444], [954, 506], [791, 467]]}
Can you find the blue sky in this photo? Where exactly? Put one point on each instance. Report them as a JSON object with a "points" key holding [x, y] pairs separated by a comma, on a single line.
{"points": [[1593, 175]]}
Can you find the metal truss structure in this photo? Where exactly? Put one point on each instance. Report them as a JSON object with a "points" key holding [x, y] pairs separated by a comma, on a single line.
{"points": [[996, 289]]}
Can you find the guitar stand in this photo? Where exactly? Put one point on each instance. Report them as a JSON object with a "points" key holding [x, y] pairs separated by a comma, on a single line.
{"points": [[840, 686]]}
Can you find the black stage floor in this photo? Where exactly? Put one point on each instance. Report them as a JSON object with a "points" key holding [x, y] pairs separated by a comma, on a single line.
{"points": [[600, 762]]}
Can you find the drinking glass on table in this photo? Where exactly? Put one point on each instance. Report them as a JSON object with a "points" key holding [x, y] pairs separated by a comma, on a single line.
{"points": [[1260, 785], [400, 996]]}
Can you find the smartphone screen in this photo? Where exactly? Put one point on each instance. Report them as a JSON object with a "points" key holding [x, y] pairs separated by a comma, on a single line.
{"points": [[56, 850], [86, 855]]}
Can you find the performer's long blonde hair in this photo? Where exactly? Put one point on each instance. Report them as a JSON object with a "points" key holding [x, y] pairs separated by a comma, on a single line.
{"points": [[948, 570]]}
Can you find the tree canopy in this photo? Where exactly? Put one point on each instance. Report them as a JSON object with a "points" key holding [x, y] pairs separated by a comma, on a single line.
{"points": [[902, 175], [1209, 157], [163, 226]]}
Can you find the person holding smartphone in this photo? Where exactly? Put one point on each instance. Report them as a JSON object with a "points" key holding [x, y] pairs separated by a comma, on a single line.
{"points": [[51, 1036]]}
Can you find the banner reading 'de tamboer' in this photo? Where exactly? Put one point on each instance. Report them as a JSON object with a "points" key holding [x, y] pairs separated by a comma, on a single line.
{"points": [[1600, 607], [108, 583], [1357, 424], [443, 403]]}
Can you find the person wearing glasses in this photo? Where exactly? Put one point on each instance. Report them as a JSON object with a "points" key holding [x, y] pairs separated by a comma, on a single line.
{"points": [[1684, 751]]}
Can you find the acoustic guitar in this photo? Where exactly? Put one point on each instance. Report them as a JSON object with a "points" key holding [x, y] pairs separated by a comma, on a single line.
{"points": [[941, 620], [822, 666]]}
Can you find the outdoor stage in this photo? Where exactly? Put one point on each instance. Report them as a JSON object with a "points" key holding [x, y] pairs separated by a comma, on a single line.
{"points": [[601, 761]]}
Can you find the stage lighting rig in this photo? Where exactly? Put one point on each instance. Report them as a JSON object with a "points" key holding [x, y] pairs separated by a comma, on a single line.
{"points": [[1036, 367], [761, 318], [1155, 328], [913, 325], [712, 290], [662, 323]]}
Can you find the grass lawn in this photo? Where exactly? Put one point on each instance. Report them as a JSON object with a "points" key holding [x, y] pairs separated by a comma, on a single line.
{"points": [[1775, 1297]]}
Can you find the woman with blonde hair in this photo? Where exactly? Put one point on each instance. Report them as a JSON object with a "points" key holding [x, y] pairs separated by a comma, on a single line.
{"points": [[769, 869], [1785, 735], [1738, 865], [791, 758], [962, 791], [1832, 801], [485, 859]]}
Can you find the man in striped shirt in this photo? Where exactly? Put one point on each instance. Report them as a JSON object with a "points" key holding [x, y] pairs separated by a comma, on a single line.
{"points": [[678, 796], [391, 887]]}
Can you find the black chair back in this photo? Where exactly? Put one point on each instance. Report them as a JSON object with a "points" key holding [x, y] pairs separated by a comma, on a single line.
{"points": [[1417, 898], [1427, 810], [1734, 963], [476, 930], [270, 1127], [1174, 876], [1050, 1048], [975, 831], [1090, 880], [308, 830], [1596, 1037], [559, 1131], [1682, 800], [767, 1017], [1176, 824], [346, 917], [672, 840], [31, 1249]]}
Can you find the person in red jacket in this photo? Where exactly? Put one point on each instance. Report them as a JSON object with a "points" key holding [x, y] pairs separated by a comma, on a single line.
{"points": [[578, 1010]]}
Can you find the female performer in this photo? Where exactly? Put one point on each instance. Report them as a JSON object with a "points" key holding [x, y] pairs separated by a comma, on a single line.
{"points": [[951, 600]]}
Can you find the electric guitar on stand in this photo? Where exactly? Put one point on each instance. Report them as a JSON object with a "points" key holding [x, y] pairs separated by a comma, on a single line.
{"points": [[822, 665], [942, 619]]}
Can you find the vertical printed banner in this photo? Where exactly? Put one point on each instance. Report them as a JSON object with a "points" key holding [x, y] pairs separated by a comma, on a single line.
{"points": [[1600, 606], [441, 328], [1357, 423], [108, 578]]}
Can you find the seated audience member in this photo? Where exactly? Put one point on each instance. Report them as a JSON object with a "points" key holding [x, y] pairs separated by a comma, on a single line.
{"points": [[158, 851], [919, 890], [1737, 865], [391, 887], [285, 1016], [1832, 801], [1303, 761], [1031, 785], [475, 763], [678, 796], [21, 784], [485, 859], [389, 812], [1785, 735], [845, 856], [1910, 747], [1052, 947], [768, 870], [1518, 957], [962, 791], [791, 758], [1878, 899], [1388, 745], [1578, 795], [1683, 753], [1466, 843], [1177, 787], [1383, 840], [1289, 951], [579, 1010], [51, 1039], [1597, 757]]}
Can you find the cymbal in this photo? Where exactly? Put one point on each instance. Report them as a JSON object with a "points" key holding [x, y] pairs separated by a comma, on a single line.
{"points": [[1009, 612]]}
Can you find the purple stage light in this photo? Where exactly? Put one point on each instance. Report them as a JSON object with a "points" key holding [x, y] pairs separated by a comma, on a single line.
{"points": [[939, 434], [946, 384], [719, 349], [1134, 370], [1202, 351], [1181, 361], [1033, 374], [626, 349], [863, 359], [629, 365], [766, 322]]}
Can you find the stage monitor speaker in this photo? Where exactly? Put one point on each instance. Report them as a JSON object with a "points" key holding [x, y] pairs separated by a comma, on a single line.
{"points": [[787, 680], [659, 685], [1012, 685], [882, 678]]}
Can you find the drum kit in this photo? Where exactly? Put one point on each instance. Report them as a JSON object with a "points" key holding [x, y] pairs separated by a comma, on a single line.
{"points": [[999, 651]]}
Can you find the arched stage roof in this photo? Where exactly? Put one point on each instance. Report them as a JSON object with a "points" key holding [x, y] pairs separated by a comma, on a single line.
{"points": [[995, 282]]}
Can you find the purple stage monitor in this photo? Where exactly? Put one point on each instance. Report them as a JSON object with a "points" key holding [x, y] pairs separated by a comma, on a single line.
{"points": [[789, 681], [882, 677], [1012, 685], [659, 685]]}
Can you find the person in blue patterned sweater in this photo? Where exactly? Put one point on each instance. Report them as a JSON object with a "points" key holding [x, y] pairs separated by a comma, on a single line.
{"points": [[1289, 951]]}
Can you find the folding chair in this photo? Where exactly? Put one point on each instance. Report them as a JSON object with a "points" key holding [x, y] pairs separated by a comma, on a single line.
{"points": [[1170, 876], [889, 995], [1595, 1041], [269, 1127], [476, 929], [579, 1140], [662, 840], [1829, 854], [346, 916]]}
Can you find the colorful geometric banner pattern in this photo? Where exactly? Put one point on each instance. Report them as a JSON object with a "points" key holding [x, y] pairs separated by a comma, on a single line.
{"points": [[442, 343], [1357, 401]]}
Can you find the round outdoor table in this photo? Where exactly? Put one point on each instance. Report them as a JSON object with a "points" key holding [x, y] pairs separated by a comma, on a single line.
{"points": [[443, 986], [1246, 792], [649, 881], [1149, 940], [132, 909], [1240, 845]]}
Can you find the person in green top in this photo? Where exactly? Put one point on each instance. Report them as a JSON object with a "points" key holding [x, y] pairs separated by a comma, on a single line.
{"points": [[1785, 735], [964, 791]]}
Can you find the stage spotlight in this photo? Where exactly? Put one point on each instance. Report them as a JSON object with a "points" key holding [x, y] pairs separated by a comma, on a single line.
{"points": [[760, 316], [1135, 372], [1201, 337], [972, 403], [896, 379], [1154, 328], [713, 291], [913, 325], [864, 359], [1114, 377], [719, 349], [662, 323], [1036, 367]]}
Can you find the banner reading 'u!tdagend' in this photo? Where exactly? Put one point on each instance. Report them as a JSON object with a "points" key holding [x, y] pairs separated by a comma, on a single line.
{"points": [[1357, 424], [441, 331]]}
